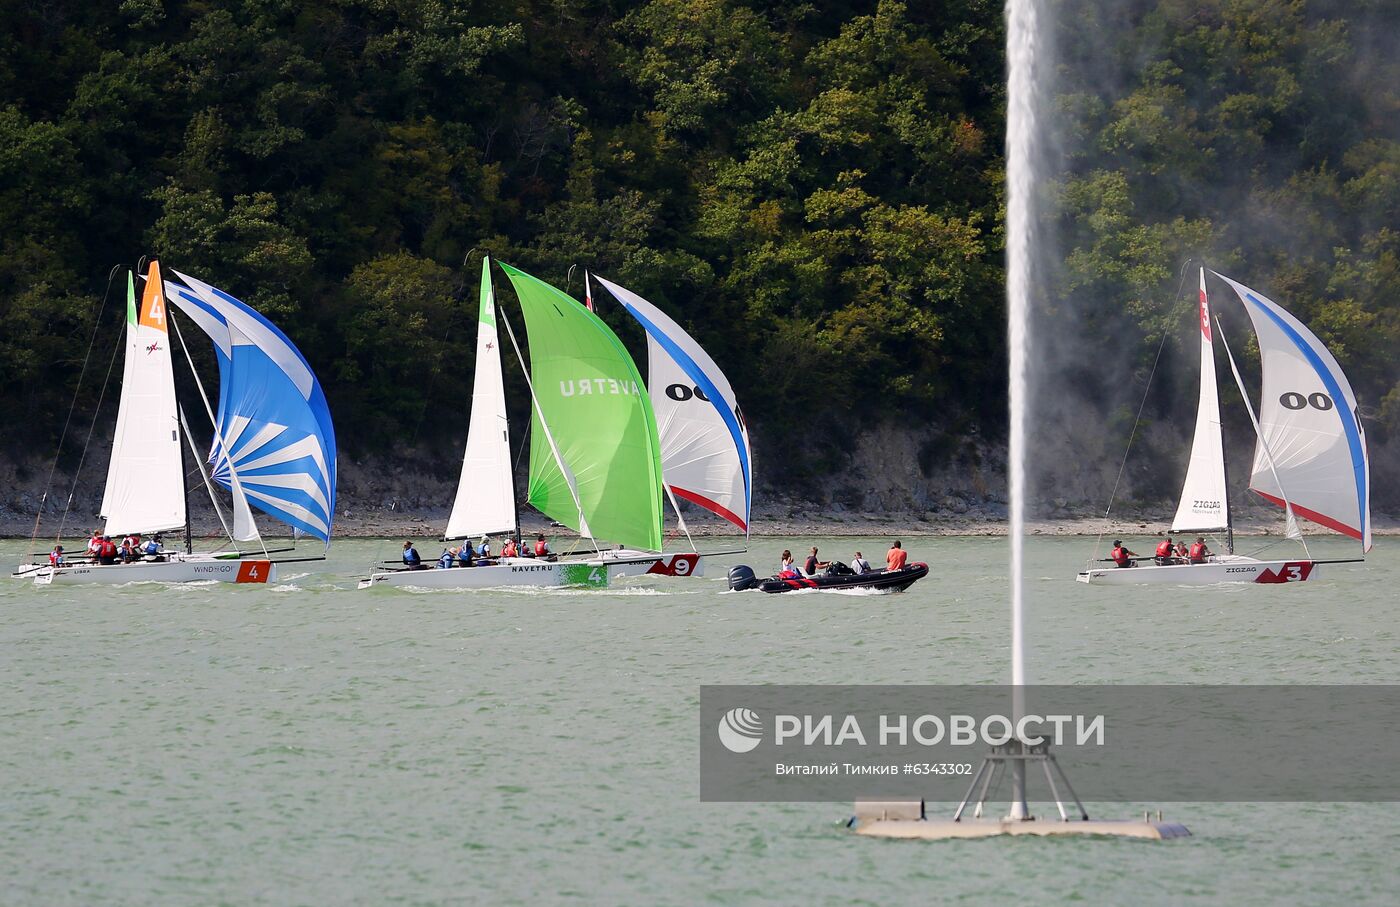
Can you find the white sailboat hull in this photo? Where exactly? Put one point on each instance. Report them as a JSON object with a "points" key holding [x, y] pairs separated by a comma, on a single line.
{"points": [[178, 568], [1218, 570], [594, 573]]}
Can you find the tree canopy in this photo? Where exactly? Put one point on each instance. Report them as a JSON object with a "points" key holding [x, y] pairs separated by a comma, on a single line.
{"points": [[815, 190]]}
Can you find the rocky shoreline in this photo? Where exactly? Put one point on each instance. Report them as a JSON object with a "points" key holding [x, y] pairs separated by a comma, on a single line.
{"points": [[773, 520]]}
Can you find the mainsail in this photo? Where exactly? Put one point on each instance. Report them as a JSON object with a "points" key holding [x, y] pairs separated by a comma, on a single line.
{"points": [[1308, 420], [589, 392], [145, 479], [274, 442], [486, 492], [705, 454], [1204, 504]]}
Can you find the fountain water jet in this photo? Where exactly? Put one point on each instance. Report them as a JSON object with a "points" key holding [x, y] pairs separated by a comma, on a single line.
{"points": [[1026, 74]]}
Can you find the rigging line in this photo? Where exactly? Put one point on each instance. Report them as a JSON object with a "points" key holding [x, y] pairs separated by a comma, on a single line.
{"points": [[72, 404], [442, 351], [544, 426], [1112, 495], [1292, 528], [73, 489], [236, 486]]}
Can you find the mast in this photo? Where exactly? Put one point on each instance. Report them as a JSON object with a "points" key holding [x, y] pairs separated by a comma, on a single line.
{"points": [[185, 480]]}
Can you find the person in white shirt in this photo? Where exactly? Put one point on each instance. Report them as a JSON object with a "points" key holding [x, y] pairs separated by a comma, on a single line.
{"points": [[860, 564]]}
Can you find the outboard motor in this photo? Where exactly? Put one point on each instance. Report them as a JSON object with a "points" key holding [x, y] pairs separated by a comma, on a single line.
{"points": [[741, 578]]}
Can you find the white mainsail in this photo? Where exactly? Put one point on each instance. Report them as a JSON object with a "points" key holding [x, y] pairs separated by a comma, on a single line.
{"points": [[1204, 503], [145, 479], [485, 500], [705, 454], [1308, 425]]}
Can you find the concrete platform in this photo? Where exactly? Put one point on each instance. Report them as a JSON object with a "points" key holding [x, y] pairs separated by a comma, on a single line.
{"points": [[947, 829]]}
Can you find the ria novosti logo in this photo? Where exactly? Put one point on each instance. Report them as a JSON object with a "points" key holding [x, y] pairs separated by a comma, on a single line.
{"points": [[740, 730]]}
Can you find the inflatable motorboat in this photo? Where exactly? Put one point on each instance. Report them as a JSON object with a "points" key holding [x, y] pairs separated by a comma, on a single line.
{"points": [[836, 576]]}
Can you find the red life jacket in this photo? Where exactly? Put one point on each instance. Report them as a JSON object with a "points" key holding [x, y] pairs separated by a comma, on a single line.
{"points": [[1119, 555], [508, 550], [541, 548], [109, 549], [1164, 549], [1198, 551], [54, 557]]}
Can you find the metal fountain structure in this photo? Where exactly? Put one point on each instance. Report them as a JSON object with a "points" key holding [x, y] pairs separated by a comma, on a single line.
{"points": [[909, 819]]}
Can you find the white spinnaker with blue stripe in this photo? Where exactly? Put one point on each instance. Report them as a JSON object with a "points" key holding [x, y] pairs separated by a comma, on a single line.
{"points": [[274, 440], [705, 454], [1308, 419]]}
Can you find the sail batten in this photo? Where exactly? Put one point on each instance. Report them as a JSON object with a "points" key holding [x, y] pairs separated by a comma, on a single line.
{"points": [[1204, 504], [1308, 424], [145, 489], [485, 501]]}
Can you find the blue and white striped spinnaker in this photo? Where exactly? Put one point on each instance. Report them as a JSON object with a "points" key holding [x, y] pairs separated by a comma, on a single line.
{"points": [[705, 456], [273, 439]]}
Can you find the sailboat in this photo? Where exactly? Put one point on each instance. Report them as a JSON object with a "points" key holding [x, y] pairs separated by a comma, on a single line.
{"points": [[705, 454], [273, 443], [1310, 458], [594, 451]]}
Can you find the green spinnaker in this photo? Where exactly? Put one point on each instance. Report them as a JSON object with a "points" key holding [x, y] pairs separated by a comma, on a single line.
{"points": [[600, 416]]}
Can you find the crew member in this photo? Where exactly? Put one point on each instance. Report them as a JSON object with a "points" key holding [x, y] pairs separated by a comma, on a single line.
{"points": [[509, 549], [449, 557], [813, 565], [107, 551], [484, 549], [541, 546], [1199, 552], [786, 568], [411, 559], [153, 547], [1165, 551], [94, 545], [1121, 555], [56, 556], [860, 564], [465, 556], [1181, 551], [896, 557]]}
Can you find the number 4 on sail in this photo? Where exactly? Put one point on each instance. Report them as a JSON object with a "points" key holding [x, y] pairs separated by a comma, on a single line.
{"points": [[1309, 458]]}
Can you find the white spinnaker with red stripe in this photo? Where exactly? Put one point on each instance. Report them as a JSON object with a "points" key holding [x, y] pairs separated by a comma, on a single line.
{"points": [[1204, 504], [705, 454], [1308, 420]]}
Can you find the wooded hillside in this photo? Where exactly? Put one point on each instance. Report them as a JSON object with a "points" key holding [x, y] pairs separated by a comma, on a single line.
{"points": [[814, 189]]}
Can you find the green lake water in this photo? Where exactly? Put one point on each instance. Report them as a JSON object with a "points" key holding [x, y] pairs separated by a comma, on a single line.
{"points": [[308, 743]]}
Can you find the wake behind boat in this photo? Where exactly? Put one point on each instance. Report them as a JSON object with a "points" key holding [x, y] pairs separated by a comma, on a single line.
{"points": [[273, 446], [1310, 458]]}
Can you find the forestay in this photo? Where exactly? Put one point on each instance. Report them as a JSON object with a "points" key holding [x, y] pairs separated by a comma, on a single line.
{"points": [[1204, 504], [588, 391], [486, 492], [705, 454], [145, 479], [1308, 419], [274, 440]]}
